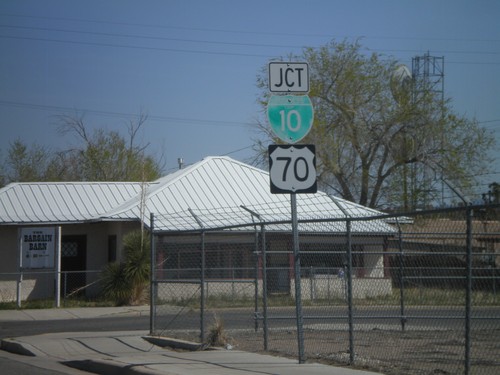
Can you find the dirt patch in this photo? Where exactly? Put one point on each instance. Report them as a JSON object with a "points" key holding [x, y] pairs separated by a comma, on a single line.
{"points": [[389, 352]]}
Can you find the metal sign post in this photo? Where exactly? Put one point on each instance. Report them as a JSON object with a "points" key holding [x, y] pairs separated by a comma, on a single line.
{"points": [[298, 290], [292, 168]]}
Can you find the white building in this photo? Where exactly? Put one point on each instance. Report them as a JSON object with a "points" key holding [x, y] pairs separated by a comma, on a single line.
{"points": [[216, 192]]}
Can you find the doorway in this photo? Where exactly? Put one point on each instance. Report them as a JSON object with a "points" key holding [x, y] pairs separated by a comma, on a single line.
{"points": [[73, 264]]}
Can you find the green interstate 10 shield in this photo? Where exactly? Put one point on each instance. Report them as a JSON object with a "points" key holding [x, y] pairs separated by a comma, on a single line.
{"points": [[290, 116]]}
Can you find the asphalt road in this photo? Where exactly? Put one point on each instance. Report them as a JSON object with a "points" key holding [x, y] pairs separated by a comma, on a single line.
{"points": [[417, 318], [420, 317]]}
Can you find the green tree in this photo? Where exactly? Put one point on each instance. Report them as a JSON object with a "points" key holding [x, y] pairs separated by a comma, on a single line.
{"points": [[99, 156], [374, 149], [31, 163]]}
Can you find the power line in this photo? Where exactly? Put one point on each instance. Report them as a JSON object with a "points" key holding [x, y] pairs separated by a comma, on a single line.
{"points": [[159, 38], [115, 45], [238, 150], [248, 32], [489, 121], [126, 115], [147, 37]]}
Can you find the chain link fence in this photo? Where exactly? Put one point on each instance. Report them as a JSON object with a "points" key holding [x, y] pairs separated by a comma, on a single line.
{"points": [[40, 285], [417, 293]]}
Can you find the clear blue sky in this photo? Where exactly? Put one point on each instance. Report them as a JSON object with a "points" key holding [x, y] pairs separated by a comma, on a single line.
{"points": [[192, 65]]}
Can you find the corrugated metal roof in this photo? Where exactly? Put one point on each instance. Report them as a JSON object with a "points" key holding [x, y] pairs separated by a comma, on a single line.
{"points": [[62, 202], [215, 189], [218, 191]]}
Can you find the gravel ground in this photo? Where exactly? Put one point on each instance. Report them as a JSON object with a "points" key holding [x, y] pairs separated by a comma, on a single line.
{"points": [[388, 352]]}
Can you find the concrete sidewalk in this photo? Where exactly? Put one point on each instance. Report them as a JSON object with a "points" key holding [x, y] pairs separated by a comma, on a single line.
{"points": [[132, 353], [72, 313]]}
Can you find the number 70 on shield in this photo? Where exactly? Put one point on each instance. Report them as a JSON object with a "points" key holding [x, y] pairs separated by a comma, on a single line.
{"points": [[292, 169]]}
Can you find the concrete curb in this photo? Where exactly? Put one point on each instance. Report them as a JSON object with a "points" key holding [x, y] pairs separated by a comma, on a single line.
{"points": [[21, 348], [164, 342]]}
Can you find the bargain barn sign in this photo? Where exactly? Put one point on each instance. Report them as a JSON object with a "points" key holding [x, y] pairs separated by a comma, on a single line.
{"points": [[38, 247]]}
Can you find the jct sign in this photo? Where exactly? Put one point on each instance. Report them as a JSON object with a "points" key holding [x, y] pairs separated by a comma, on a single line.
{"points": [[292, 168], [288, 77]]}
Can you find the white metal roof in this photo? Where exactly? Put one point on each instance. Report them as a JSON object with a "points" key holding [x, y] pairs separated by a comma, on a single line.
{"points": [[215, 192], [220, 191], [61, 202]]}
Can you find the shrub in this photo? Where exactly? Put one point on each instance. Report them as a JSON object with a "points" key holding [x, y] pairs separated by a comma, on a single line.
{"points": [[125, 282]]}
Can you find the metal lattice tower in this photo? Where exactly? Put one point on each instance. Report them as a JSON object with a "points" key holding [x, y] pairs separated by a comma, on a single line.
{"points": [[428, 77]]}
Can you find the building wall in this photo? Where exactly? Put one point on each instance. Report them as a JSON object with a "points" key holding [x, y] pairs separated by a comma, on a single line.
{"points": [[323, 257], [39, 283], [330, 286]]}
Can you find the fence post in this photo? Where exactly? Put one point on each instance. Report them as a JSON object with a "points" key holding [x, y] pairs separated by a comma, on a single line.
{"points": [[256, 290], [202, 296], [264, 284], [349, 292], [19, 288], [58, 267], [349, 279], [401, 277], [468, 292], [311, 286], [152, 289], [202, 277], [65, 291], [256, 286]]}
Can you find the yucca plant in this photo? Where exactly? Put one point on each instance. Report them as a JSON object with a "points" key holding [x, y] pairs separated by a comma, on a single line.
{"points": [[115, 285], [137, 262], [125, 282]]}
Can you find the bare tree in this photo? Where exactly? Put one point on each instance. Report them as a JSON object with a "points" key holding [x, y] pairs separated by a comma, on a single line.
{"points": [[107, 155]]}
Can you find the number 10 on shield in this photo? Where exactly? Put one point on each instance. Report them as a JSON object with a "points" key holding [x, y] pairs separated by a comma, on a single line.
{"points": [[290, 120], [290, 116]]}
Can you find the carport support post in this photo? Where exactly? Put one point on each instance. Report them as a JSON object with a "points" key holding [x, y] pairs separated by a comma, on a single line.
{"points": [[298, 295]]}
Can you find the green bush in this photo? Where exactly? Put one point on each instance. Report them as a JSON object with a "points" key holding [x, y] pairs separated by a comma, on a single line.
{"points": [[126, 282]]}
